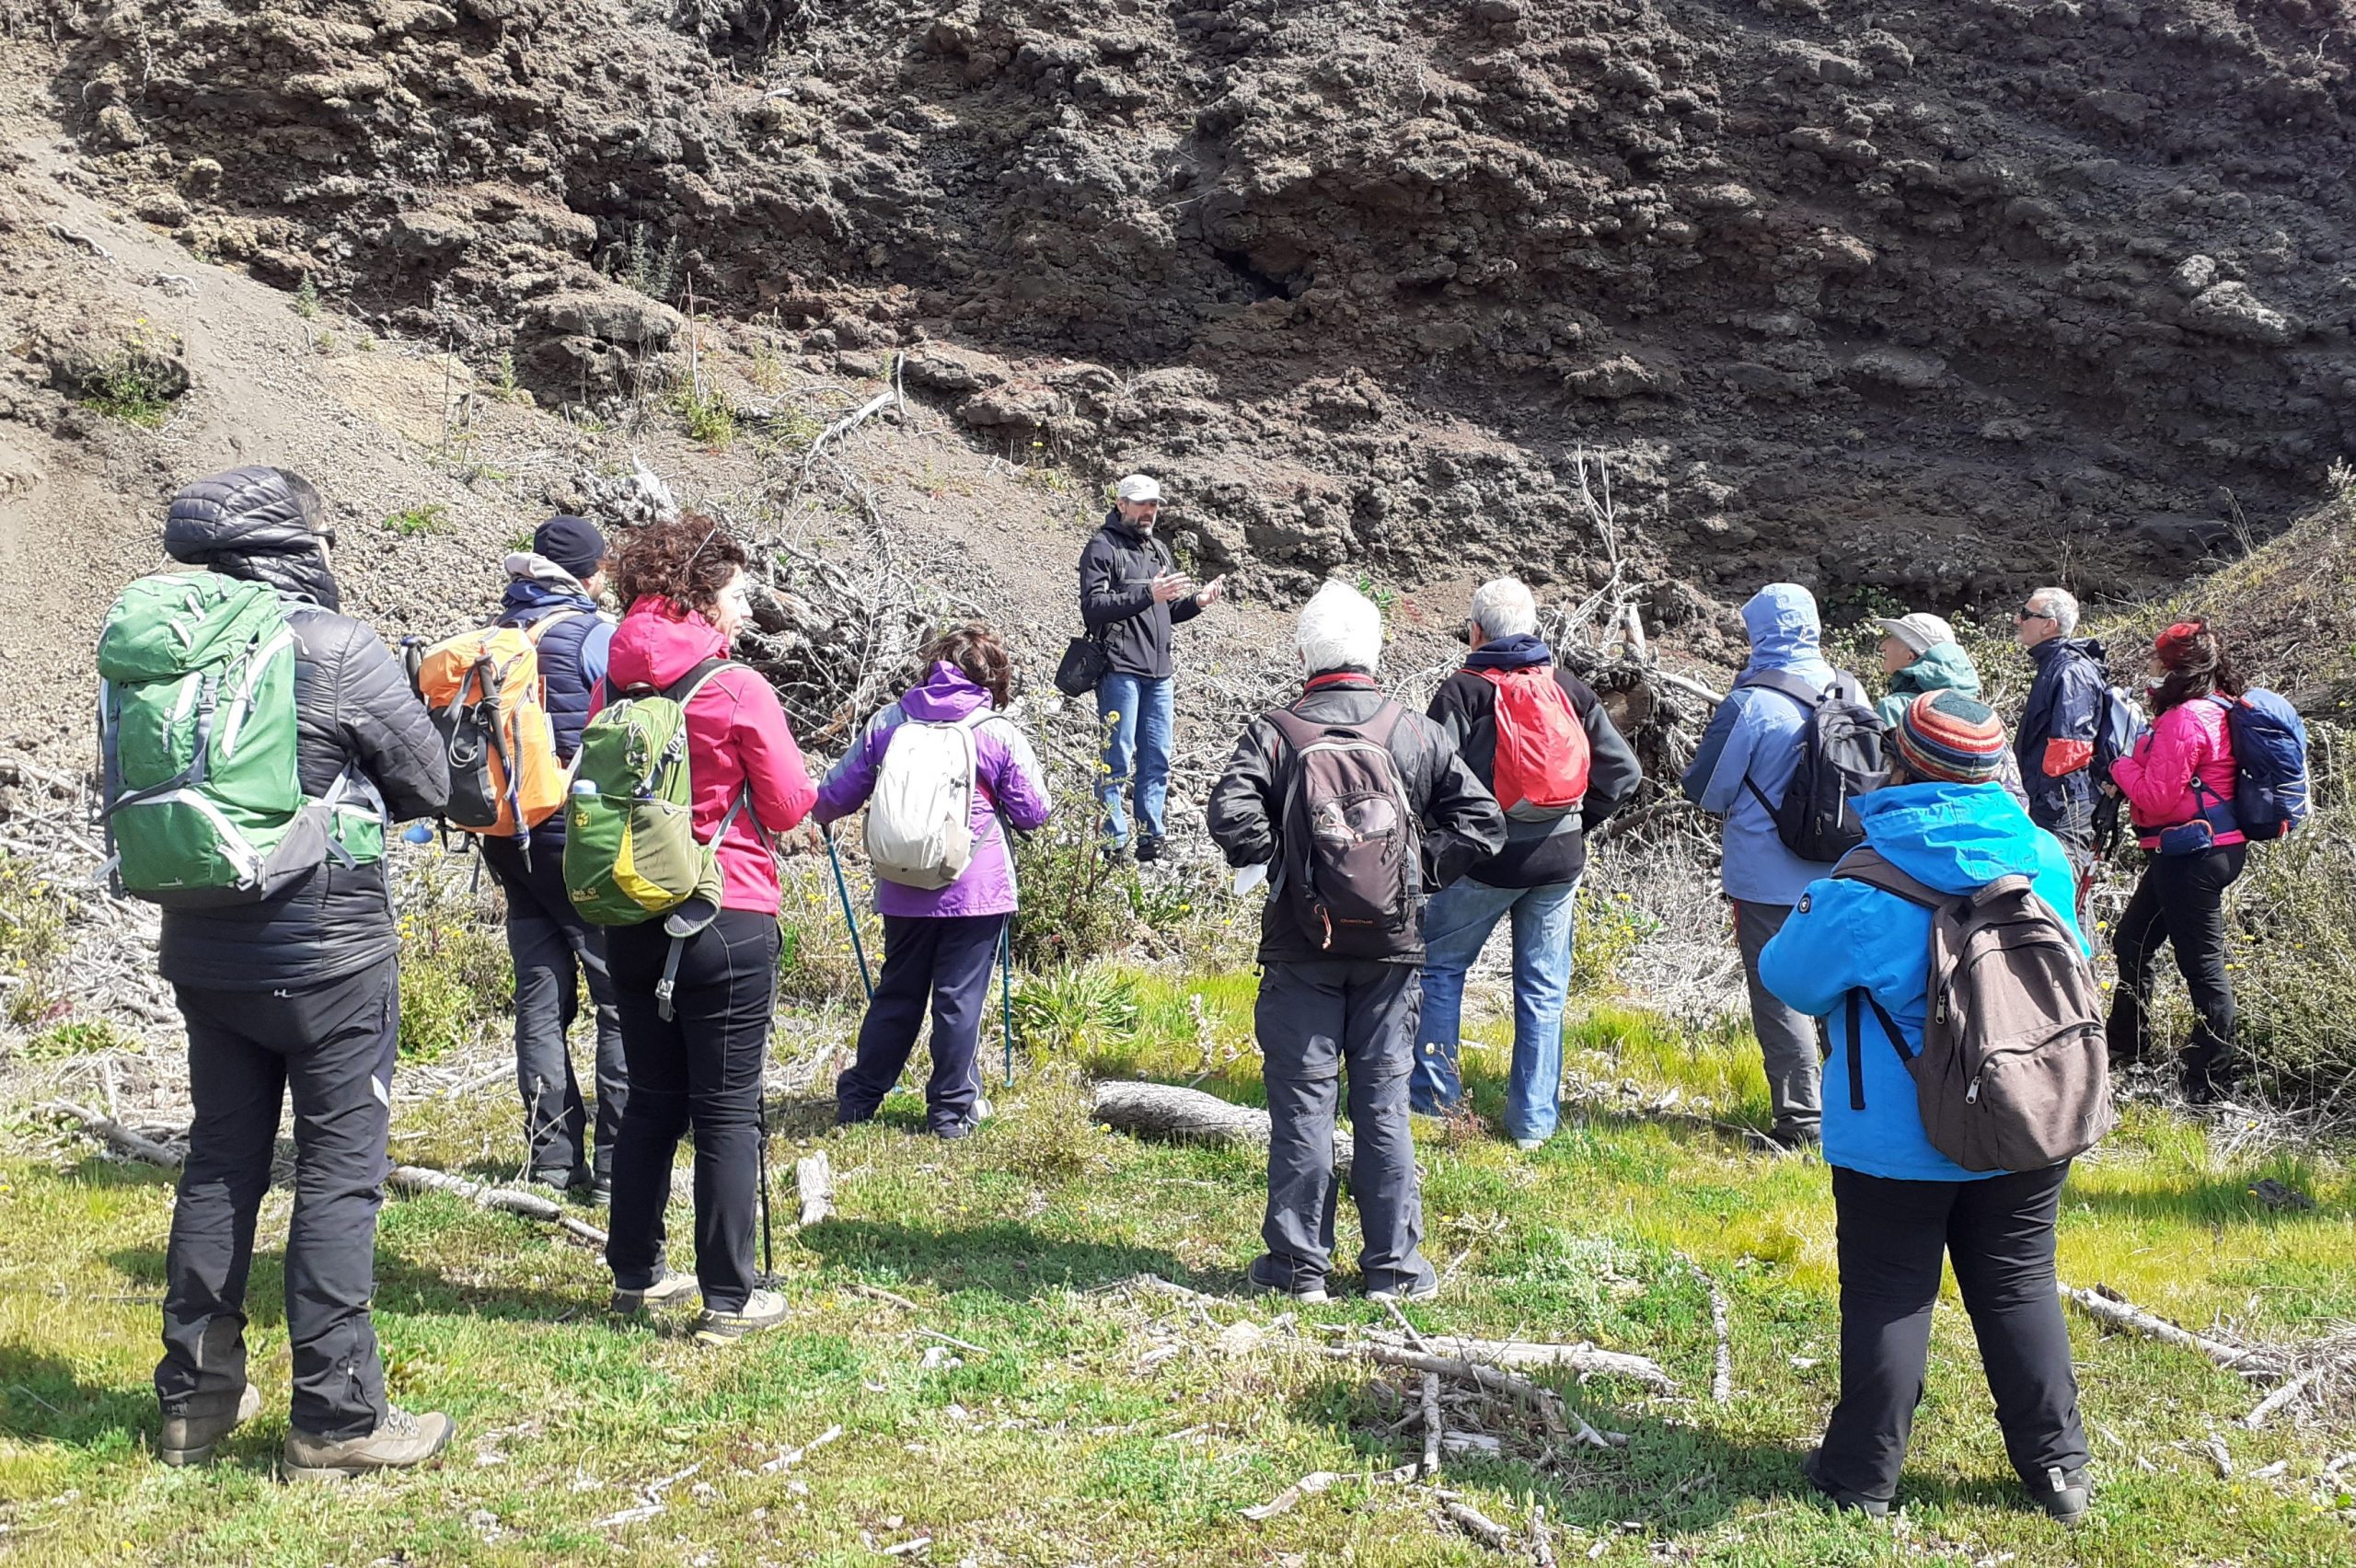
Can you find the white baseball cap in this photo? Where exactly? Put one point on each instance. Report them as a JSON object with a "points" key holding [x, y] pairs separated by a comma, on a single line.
{"points": [[1138, 487], [1921, 631]]}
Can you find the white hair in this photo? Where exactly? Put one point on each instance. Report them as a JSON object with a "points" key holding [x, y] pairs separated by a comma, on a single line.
{"points": [[1503, 607], [1340, 629], [2060, 604]]}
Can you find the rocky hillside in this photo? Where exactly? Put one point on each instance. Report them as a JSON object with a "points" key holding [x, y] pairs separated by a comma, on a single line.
{"points": [[1927, 297]]}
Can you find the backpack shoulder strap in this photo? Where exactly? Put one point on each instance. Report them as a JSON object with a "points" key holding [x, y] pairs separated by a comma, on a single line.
{"points": [[1783, 683], [547, 623], [1865, 864], [682, 690]]}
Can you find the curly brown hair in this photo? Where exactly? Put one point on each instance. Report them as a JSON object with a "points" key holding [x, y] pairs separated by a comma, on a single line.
{"points": [[2194, 654], [688, 562], [977, 651]]}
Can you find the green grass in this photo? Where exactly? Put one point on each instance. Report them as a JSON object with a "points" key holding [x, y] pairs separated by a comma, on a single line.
{"points": [[1057, 1443], [425, 518]]}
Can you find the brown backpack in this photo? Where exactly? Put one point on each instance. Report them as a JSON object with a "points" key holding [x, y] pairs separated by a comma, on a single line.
{"points": [[1347, 833], [2014, 1072]]}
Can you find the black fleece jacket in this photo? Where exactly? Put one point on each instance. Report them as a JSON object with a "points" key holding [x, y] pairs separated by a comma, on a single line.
{"points": [[353, 710], [1117, 573], [1460, 819], [1536, 854]]}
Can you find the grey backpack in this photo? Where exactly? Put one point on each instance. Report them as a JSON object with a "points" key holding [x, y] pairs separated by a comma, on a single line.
{"points": [[2014, 1072]]}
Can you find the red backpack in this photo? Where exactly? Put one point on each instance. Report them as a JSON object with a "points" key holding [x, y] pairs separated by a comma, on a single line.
{"points": [[1543, 755]]}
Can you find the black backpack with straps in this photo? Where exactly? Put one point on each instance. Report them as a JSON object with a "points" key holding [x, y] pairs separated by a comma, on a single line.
{"points": [[1841, 758]]}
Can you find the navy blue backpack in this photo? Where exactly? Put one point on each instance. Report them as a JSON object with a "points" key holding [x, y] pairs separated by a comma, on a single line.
{"points": [[2270, 792]]}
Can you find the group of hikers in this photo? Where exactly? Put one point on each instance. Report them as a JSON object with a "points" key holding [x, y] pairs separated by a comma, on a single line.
{"points": [[627, 783]]}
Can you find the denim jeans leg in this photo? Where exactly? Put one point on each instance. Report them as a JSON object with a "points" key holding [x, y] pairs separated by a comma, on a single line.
{"points": [[1157, 717], [1457, 921], [1117, 714], [1543, 926]]}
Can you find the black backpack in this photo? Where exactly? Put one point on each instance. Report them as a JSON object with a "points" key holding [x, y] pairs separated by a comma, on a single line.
{"points": [[1347, 835], [1841, 758]]}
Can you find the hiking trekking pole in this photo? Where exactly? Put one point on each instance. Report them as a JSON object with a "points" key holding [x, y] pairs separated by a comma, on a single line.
{"points": [[851, 917], [1006, 994]]}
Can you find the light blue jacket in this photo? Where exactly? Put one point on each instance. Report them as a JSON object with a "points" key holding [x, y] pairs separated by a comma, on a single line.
{"points": [[1954, 837], [1756, 734]]}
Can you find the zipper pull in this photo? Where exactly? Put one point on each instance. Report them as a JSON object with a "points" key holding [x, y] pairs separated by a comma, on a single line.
{"points": [[1972, 1095]]}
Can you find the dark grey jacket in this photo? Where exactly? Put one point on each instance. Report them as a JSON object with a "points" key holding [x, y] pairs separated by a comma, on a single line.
{"points": [[1462, 822], [353, 710], [1117, 573]]}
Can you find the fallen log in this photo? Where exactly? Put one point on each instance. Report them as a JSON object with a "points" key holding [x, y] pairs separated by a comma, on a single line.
{"points": [[2108, 1307], [1582, 1358], [1560, 1421], [814, 1184], [1479, 1525], [1188, 1115]]}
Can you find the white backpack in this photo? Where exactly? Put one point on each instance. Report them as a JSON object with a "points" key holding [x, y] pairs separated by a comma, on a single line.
{"points": [[921, 817]]}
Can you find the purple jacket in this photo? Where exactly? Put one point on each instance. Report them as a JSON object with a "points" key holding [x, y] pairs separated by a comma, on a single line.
{"points": [[1007, 778]]}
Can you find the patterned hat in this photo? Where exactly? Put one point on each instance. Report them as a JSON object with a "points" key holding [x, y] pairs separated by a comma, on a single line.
{"points": [[1944, 734]]}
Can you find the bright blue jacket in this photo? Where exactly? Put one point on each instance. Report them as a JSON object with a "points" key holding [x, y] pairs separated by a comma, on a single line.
{"points": [[1756, 734], [1954, 837]]}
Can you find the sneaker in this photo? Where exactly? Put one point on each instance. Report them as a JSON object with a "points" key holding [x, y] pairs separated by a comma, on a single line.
{"points": [[1796, 1140], [190, 1439], [667, 1289], [1422, 1290], [1311, 1295], [1529, 1146], [951, 1131], [762, 1309], [1811, 1471], [2066, 1494], [601, 1193], [562, 1180], [400, 1441], [1149, 850]]}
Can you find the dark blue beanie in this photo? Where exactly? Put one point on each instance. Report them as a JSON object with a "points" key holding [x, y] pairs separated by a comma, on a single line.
{"points": [[574, 543]]}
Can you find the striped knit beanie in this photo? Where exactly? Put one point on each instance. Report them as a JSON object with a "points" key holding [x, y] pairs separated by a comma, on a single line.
{"points": [[1944, 734]]}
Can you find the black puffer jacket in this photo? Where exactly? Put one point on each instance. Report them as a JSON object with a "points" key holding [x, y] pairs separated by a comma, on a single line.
{"points": [[353, 709], [1460, 821]]}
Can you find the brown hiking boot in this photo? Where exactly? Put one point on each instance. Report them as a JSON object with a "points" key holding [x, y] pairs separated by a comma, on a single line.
{"points": [[400, 1441], [190, 1439]]}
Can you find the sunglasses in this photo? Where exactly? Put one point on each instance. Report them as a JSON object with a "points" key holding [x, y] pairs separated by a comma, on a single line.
{"points": [[2024, 613]]}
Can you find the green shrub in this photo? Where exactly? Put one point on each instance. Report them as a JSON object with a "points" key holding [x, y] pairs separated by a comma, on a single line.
{"points": [[305, 302], [815, 961], [32, 939], [456, 976], [708, 416], [415, 522], [136, 388], [1074, 1012], [1610, 928], [643, 266], [84, 1037], [2291, 949]]}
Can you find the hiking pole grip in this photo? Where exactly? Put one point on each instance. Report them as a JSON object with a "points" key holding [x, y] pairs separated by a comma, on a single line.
{"points": [[850, 917]]}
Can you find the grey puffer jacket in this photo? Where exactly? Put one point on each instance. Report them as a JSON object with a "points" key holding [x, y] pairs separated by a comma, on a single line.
{"points": [[353, 710]]}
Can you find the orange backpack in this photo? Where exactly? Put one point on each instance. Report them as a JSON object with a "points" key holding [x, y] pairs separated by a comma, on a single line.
{"points": [[483, 688]]}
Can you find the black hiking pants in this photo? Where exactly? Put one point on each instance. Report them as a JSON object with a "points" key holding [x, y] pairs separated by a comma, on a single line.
{"points": [[2181, 902], [698, 1072], [332, 1046], [1999, 1235], [1317, 1021], [555, 951]]}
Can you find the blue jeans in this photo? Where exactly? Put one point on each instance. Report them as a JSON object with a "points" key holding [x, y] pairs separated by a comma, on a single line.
{"points": [[1135, 711], [1457, 921]]}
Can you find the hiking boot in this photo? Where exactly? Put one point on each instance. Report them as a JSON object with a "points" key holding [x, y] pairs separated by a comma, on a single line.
{"points": [[1529, 1146], [190, 1439], [1313, 1295], [400, 1441], [1422, 1290], [2066, 1494], [1811, 1471], [951, 1131], [667, 1288], [1149, 850], [1796, 1140], [762, 1309], [560, 1181], [601, 1193]]}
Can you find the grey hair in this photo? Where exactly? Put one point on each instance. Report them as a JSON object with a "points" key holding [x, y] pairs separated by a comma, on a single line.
{"points": [[1339, 630], [2062, 604], [1503, 607]]}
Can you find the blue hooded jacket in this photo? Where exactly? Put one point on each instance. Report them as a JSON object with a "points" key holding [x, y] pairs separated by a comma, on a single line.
{"points": [[1954, 837], [1756, 734]]}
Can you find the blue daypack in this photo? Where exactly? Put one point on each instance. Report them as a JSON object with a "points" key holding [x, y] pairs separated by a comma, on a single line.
{"points": [[2270, 790]]}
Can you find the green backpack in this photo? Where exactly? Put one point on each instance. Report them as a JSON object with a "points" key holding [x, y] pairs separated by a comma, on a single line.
{"points": [[201, 799], [630, 851]]}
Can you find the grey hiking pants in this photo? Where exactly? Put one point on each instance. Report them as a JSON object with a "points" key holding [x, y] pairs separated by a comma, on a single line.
{"points": [[555, 951], [1316, 1021], [331, 1046], [1788, 1039]]}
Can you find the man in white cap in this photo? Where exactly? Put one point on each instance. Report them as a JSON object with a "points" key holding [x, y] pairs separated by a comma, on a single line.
{"points": [[1131, 593]]}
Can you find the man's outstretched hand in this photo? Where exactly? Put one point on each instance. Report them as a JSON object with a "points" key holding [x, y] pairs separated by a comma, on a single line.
{"points": [[1208, 593], [1172, 585]]}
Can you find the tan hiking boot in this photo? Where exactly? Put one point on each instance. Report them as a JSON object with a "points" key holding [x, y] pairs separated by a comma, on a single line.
{"points": [[762, 1309], [190, 1439], [671, 1288], [400, 1441]]}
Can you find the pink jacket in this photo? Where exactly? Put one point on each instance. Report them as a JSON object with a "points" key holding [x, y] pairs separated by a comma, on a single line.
{"points": [[737, 741], [2189, 740]]}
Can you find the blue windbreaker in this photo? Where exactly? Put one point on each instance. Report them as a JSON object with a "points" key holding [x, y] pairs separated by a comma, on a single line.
{"points": [[1756, 734], [1954, 837]]}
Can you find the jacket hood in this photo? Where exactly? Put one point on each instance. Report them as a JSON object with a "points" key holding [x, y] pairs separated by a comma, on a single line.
{"points": [[536, 582], [2053, 646], [1123, 529], [258, 523], [1946, 667], [1785, 631], [655, 645], [1515, 652], [947, 695], [1954, 837]]}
